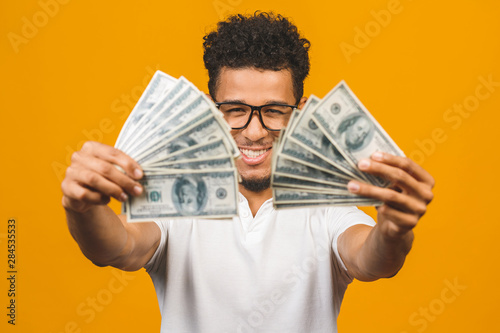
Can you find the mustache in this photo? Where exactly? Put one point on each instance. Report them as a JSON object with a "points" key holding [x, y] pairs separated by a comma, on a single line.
{"points": [[258, 143]]}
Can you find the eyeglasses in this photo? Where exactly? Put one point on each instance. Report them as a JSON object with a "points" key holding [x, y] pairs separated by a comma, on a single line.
{"points": [[273, 117]]}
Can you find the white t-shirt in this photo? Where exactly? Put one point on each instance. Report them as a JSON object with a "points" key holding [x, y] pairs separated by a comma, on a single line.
{"points": [[279, 271]]}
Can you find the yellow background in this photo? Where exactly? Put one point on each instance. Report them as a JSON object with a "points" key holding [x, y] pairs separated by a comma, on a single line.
{"points": [[70, 79]]}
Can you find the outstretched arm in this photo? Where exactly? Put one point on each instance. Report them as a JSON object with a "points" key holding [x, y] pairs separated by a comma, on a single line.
{"points": [[104, 237], [372, 253]]}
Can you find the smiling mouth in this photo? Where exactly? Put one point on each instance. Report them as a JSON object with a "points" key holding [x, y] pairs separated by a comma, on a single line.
{"points": [[253, 153]]}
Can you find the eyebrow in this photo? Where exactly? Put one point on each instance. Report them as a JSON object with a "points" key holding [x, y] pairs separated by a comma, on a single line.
{"points": [[267, 102]]}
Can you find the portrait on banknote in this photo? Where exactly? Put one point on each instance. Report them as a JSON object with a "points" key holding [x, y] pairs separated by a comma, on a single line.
{"points": [[355, 132], [181, 143], [190, 195]]}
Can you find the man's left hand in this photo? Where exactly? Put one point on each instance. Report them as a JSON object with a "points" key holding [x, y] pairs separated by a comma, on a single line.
{"points": [[406, 198]]}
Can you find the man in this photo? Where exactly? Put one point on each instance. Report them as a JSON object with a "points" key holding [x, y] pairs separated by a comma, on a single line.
{"points": [[266, 270]]}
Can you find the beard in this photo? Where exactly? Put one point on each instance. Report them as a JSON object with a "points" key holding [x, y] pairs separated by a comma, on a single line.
{"points": [[256, 185]]}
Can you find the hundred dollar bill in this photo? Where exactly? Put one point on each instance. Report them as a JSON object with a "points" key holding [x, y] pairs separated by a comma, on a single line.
{"points": [[201, 195], [179, 118], [295, 169], [349, 126], [277, 144], [207, 163], [298, 153], [347, 202], [294, 152], [312, 101], [282, 181], [159, 84], [206, 126], [291, 122], [307, 134], [182, 152], [284, 196], [164, 105]]}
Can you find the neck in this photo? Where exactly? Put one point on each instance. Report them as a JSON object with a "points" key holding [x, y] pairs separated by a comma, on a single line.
{"points": [[256, 199]]}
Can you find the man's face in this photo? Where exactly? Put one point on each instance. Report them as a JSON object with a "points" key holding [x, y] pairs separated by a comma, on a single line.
{"points": [[357, 132], [255, 87]]}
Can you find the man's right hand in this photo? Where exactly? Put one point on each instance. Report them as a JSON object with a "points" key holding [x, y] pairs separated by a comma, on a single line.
{"points": [[93, 177]]}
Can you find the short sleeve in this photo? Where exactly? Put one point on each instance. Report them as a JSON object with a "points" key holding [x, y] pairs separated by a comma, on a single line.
{"points": [[342, 218], [158, 259]]}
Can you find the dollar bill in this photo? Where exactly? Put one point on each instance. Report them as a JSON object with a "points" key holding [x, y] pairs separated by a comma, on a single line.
{"points": [[157, 87], [226, 162], [292, 175], [282, 181], [287, 196], [295, 169], [327, 203], [185, 107], [348, 125], [168, 126], [178, 93], [307, 135], [216, 147], [205, 126], [201, 195], [296, 152]]}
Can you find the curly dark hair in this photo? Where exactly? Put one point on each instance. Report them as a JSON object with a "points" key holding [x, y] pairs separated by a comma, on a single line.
{"points": [[262, 40]]}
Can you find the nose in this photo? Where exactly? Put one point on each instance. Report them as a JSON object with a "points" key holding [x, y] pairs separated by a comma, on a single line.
{"points": [[255, 131]]}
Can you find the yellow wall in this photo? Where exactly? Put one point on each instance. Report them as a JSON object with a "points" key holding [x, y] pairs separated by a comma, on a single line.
{"points": [[70, 76]]}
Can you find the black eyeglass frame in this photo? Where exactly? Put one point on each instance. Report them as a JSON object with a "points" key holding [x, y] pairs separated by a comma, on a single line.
{"points": [[255, 108]]}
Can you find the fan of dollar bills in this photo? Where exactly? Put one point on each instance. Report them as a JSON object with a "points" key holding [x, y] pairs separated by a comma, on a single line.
{"points": [[187, 153], [317, 155], [186, 150]]}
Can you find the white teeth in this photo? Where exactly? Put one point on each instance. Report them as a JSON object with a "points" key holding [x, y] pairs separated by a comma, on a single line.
{"points": [[253, 153]]}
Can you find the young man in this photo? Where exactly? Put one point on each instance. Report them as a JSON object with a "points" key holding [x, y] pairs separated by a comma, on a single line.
{"points": [[267, 270]]}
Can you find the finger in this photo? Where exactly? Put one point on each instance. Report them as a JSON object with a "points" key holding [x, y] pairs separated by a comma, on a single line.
{"points": [[78, 197], [397, 221], [91, 182], [406, 164], [399, 178], [390, 197], [114, 156], [75, 205], [109, 172], [81, 206]]}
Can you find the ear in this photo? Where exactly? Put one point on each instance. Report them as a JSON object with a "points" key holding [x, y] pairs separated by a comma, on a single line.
{"points": [[209, 97], [302, 102]]}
